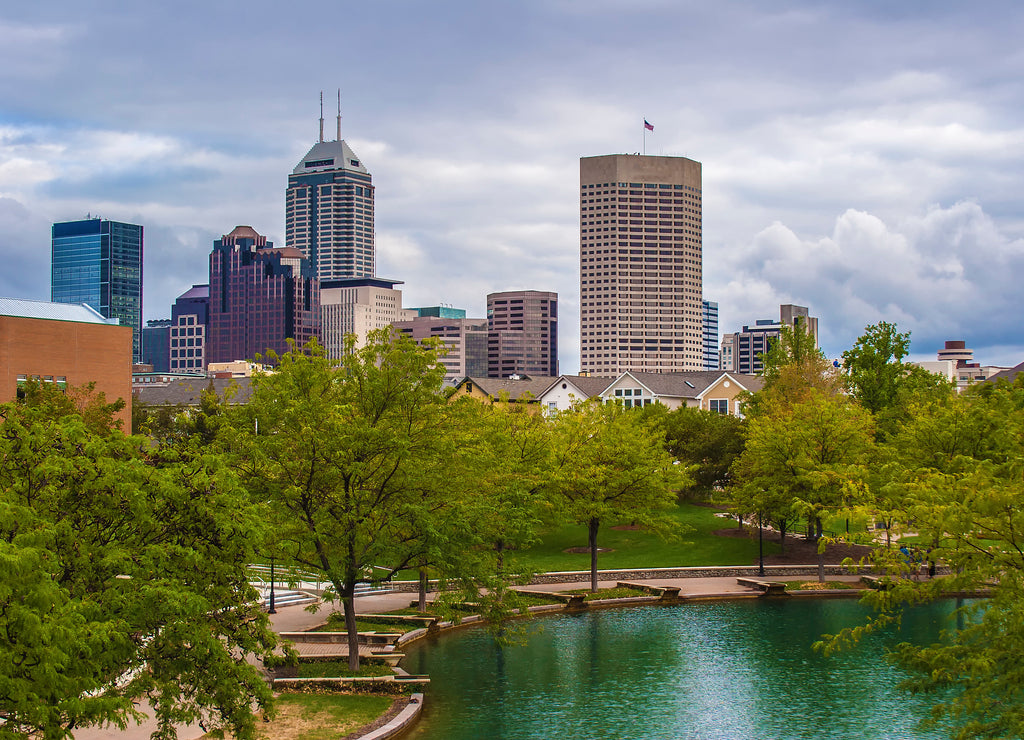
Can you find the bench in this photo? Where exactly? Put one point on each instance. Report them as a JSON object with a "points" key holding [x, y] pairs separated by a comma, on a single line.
{"points": [[664, 592], [769, 588]]}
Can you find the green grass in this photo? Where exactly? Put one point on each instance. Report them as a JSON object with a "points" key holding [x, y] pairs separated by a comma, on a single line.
{"points": [[334, 714], [340, 669], [798, 585], [640, 549]]}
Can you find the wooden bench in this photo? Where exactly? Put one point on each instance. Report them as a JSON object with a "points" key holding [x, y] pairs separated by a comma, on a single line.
{"points": [[769, 588], [664, 592]]}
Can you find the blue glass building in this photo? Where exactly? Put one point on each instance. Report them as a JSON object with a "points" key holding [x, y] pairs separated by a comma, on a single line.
{"points": [[99, 262]]}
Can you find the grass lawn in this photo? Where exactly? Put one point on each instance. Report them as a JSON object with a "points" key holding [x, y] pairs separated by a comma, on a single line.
{"points": [[321, 716], [639, 549], [815, 586]]}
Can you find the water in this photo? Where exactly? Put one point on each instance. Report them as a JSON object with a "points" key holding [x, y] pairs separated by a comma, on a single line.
{"points": [[726, 669]]}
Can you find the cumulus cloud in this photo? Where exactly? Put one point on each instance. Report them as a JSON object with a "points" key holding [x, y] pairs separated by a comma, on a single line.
{"points": [[947, 273]]}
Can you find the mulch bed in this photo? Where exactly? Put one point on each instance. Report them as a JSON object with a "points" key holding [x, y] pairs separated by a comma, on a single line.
{"points": [[798, 551]]}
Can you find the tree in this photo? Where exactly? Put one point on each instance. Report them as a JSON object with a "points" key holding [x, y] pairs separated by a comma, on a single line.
{"points": [[350, 459], [808, 457], [121, 580], [705, 441], [793, 367], [882, 383], [874, 365], [962, 467], [611, 465]]}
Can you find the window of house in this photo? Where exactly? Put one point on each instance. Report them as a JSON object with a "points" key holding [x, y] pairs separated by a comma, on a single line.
{"points": [[719, 405]]}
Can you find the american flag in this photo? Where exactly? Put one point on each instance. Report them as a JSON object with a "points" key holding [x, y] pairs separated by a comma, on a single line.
{"points": [[648, 126]]}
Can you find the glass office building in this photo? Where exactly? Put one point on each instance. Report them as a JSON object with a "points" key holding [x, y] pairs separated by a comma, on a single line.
{"points": [[99, 262]]}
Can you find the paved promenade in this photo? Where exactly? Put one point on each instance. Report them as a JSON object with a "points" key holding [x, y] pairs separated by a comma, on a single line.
{"points": [[297, 619]]}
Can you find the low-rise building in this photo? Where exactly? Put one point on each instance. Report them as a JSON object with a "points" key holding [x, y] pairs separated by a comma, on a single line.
{"points": [[712, 391], [65, 344]]}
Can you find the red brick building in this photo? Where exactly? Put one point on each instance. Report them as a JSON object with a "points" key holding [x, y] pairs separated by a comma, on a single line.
{"points": [[66, 344]]}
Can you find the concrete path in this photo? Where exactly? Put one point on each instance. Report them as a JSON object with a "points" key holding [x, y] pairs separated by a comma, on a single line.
{"points": [[297, 619]]}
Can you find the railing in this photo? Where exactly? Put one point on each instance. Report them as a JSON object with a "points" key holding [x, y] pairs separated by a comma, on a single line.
{"points": [[305, 579]]}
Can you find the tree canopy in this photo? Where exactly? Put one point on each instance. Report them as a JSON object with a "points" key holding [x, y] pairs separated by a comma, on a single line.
{"points": [[121, 580]]}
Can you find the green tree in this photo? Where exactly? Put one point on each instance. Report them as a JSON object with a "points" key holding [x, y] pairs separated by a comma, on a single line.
{"points": [[349, 459], [808, 457], [121, 581], [610, 465], [962, 463], [882, 383], [705, 441]]}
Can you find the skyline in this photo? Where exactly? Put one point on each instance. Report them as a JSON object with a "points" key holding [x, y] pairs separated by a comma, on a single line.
{"points": [[860, 160]]}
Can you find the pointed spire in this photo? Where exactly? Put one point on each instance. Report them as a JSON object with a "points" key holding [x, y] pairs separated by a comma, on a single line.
{"points": [[339, 115], [321, 116]]}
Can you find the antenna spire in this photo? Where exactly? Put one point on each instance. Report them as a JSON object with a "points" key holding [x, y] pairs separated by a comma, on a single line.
{"points": [[321, 116], [339, 114]]}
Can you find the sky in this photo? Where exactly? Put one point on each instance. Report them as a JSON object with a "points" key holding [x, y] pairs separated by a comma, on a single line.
{"points": [[863, 159]]}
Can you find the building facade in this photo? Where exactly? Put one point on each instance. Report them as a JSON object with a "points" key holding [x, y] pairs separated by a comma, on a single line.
{"points": [[710, 326], [69, 345], [522, 333], [99, 262], [329, 211], [464, 342], [357, 306], [190, 319], [640, 264], [260, 297], [156, 344], [742, 350]]}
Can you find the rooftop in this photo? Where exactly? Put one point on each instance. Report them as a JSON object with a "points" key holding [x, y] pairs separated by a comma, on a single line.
{"points": [[80, 312]]}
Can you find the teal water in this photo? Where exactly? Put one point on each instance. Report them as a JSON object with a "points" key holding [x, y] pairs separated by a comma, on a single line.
{"points": [[725, 669]]}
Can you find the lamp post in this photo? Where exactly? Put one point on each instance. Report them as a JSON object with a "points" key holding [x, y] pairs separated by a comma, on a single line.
{"points": [[271, 610], [760, 545]]}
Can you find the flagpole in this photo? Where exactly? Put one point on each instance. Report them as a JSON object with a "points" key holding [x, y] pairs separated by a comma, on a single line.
{"points": [[644, 149]]}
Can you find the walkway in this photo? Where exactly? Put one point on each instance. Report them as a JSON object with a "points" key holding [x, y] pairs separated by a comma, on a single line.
{"points": [[297, 619]]}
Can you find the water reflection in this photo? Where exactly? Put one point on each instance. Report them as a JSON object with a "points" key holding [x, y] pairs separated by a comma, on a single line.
{"points": [[731, 669]]}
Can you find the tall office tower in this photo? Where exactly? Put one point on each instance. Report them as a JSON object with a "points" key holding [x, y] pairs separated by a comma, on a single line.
{"points": [[329, 210], [742, 350], [99, 262], [640, 264], [190, 319], [357, 306], [710, 324], [522, 333], [260, 297]]}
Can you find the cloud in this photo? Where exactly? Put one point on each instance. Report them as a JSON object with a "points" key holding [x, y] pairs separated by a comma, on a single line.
{"points": [[947, 273]]}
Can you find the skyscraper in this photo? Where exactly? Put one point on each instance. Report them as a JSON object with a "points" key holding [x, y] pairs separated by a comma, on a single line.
{"points": [[99, 262], [710, 324], [259, 298], [190, 318], [329, 210], [640, 264], [522, 333]]}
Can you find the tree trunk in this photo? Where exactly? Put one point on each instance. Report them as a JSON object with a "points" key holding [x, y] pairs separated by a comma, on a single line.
{"points": [[422, 605], [821, 552], [349, 600], [782, 536], [592, 537]]}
